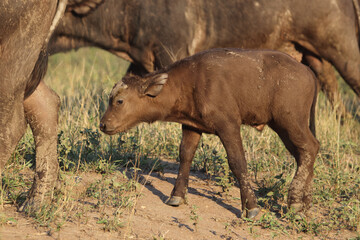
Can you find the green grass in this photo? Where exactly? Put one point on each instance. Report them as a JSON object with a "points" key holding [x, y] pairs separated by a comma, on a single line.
{"points": [[84, 79]]}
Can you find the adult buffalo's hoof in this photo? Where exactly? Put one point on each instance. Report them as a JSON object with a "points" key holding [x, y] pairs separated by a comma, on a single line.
{"points": [[296, 207], [175, 201], [22, 207], [29, 206], [252, 213]]}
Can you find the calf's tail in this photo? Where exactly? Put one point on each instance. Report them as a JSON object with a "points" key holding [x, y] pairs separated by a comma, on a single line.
{"points": [[357, 15], [313, 106]]}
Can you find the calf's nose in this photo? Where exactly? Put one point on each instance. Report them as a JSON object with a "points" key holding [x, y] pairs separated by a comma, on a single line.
{"points": [[102, 126]]}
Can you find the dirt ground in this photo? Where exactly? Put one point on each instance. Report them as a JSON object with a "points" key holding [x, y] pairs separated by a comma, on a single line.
{"points": [[217, 216]]}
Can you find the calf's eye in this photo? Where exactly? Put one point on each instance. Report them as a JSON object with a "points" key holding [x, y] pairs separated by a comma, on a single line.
{"points": [[120, 101]]}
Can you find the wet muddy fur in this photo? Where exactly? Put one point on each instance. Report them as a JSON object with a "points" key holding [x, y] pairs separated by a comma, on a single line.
{"points": [[215, 92]]}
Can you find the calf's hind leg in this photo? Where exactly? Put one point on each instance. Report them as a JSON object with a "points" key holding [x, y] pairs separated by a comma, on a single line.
{"points": [[41, 111], [302, 144], [230, 137], [189, 143]]}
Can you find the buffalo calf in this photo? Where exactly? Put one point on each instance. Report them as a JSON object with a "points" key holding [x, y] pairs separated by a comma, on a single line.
{"points": [[215, 92]]}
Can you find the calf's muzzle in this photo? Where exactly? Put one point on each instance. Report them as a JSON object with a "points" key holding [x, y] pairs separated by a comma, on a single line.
{"points": [[102, 126]]}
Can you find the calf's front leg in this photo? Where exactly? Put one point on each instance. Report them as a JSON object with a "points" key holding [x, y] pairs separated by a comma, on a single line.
{"points": [[189, 143], [41, 111]]}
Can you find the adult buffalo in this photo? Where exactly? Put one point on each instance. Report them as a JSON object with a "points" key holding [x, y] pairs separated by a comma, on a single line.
{"points": [[25, 29], [152, 34]]}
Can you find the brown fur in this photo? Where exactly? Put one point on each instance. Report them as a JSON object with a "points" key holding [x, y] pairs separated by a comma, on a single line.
{"points": [[215, 92]]}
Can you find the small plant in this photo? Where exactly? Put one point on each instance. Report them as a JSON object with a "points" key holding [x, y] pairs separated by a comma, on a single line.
{"points": [[301, 223], [111, 223], [194, 217], [114, 191], [14, 186], [159, 238], [6, 220], [214, 163], [270, 221], [272, 191], [225, 178]]}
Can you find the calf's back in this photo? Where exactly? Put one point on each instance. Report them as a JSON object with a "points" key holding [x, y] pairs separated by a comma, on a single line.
{"points": [[251, 87]]}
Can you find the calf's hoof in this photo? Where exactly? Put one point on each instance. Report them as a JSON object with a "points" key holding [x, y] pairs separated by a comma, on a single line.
{"points": [[252, 213], [175, 201]]}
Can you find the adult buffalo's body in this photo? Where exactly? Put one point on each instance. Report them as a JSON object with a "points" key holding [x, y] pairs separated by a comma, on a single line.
{"points": [[152, 34], [215, 92], [25, 29]]}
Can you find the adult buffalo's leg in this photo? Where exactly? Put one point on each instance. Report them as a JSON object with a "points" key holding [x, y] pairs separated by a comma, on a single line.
{"points": [[349, 69], [327, 81], [41, 110], [329, 84], [189, 143], [13, 126], [342, 49], [302, 144], [231, 139]]}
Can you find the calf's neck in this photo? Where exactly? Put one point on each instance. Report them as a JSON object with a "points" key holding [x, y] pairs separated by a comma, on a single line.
{"points": [[215, 92]]}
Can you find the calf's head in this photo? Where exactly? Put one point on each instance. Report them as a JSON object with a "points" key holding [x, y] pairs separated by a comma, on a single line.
{"points": [[132, 101]]}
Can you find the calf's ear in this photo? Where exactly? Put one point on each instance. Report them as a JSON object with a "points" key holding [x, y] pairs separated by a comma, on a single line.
{"points": [[153, 86]]}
